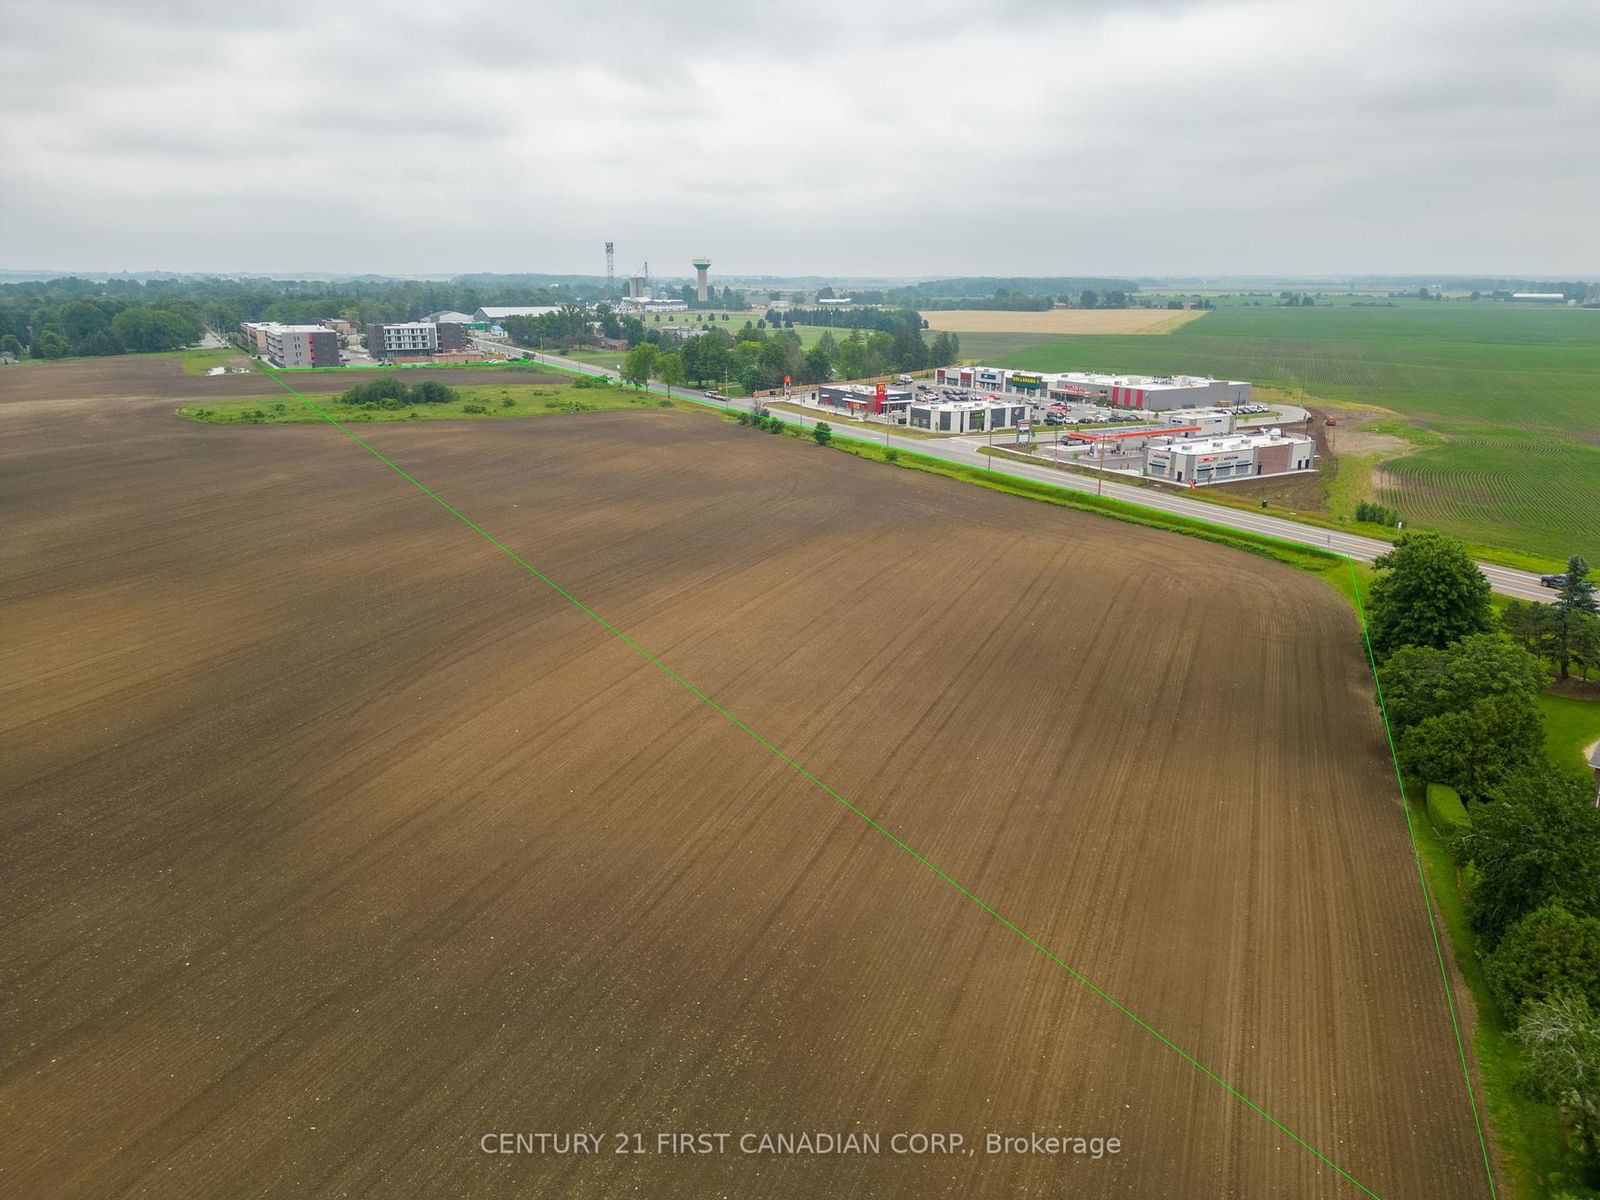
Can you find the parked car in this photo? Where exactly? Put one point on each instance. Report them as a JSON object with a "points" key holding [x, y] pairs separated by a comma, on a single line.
{"points": [[1552, 581]]}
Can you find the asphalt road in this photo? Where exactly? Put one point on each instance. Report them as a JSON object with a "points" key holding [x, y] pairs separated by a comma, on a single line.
{"points": [[1506, 580]]}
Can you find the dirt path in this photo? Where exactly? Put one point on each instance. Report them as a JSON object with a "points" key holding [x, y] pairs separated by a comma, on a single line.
{"points": [[335, 842]]}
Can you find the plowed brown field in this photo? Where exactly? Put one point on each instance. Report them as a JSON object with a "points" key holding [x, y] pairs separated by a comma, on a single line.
{"points": [[334, 841]]}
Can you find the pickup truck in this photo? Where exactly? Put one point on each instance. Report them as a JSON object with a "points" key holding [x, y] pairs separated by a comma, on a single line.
{"points": [[715, 396]]}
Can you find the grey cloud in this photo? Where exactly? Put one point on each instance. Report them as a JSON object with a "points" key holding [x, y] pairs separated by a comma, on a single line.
{"points": [[1011, 137]]}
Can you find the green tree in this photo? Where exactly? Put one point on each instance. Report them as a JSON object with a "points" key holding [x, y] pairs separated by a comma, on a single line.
{"points": [[1088, 299], [82, 319], [1585, 643], [752, 378], [640, 364], [1476, 748], [1575, 605], [1429, 593], [101, 342], [852, 362], [148, 330], [1528, 624], [818, 368], [671, 371], [431, 391], [1537, 841], [1547, 953], [822, 433], [50, 342], [1420, 682], [1560, 1039], [12, 345]]}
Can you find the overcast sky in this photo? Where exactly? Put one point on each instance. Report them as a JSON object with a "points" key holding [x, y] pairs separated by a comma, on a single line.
{"points": [[1025, 137]]}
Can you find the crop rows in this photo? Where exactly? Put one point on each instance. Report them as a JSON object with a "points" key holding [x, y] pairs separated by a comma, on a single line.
{"points": [[1514, 391]]}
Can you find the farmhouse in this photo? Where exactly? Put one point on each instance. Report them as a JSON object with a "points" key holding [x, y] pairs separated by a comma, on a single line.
{"points": [[1201, 461]]}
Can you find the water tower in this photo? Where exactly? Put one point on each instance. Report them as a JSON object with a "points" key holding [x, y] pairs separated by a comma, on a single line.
{"points": [[701, 266]]}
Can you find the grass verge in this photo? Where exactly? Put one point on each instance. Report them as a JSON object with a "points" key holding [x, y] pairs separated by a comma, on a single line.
{"points": [[1527, 1131], [1570, 726], [1305, 558], [198, 362], [494, 401], [1537, 564]]}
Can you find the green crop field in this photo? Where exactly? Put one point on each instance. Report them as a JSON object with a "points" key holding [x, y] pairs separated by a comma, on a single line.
{"points": [[1513, 394]]}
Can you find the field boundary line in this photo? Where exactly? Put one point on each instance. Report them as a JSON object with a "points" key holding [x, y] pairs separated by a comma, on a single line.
{"points": [[800, 770], [1422, 883]]}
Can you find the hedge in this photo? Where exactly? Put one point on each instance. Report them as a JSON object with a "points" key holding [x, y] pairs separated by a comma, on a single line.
{"points": [[1445, 810]]}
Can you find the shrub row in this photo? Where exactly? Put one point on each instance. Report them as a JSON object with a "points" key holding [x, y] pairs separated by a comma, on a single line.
{"points": [[1377, 514], [390, 393]]}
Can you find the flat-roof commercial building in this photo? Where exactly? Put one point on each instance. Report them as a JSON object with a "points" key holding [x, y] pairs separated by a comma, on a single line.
{"points": [[1125, 439], [974, 379], [290, 346], [254, 335], [645, 304], [859, 398], [402, 338], [1154, 393], [415, 339], [964, 416], [1202, 461]]}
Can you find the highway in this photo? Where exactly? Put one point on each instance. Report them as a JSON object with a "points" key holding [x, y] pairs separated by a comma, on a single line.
{"points": [[1508, 581]]}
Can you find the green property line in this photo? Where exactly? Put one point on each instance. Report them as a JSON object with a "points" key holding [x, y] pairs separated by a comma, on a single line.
{"points": [[1422, 883], [800, 770]]}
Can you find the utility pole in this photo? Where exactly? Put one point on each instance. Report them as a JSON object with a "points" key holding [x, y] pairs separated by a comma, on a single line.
{"points": [[1100, 475]]}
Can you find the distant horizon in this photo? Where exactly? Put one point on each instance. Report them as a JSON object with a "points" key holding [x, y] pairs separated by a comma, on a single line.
{"points": [[1368, 278]]}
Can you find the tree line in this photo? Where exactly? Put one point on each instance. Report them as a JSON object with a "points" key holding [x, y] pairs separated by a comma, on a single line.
{"points": [[1460, 691], [759, 358], [55, 327], [72, 316]]}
